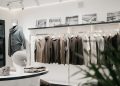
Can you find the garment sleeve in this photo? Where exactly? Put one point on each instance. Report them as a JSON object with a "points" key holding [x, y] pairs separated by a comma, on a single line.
{"points": [[22, 39]]}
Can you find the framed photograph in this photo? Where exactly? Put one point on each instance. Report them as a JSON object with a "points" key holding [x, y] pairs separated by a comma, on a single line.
{"points": [[113, 16], [41, 23], [89, 18], [72, 20], [54, 21]]}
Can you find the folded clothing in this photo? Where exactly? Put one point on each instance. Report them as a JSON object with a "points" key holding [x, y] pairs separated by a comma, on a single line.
{"points": [[34, 69]]}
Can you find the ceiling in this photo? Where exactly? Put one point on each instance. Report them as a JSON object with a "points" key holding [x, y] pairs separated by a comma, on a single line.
{"points": [[13, 4]]}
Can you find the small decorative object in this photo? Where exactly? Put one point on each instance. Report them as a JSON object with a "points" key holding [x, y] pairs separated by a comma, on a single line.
{"points": [[54, 21], [89, 18], [115, 16], [72, 20], [41, 23], [4, 71]]}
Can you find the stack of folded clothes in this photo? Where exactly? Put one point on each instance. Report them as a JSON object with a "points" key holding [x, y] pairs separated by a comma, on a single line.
{"points": [[34, 69]]}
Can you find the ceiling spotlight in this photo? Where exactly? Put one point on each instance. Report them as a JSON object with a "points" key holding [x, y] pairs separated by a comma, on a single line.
{"points": [[8, 5], [21, 3], [22, 8]]}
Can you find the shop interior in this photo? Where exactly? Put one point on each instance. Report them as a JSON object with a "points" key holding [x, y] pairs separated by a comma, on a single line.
{"points": [[56, 42]]}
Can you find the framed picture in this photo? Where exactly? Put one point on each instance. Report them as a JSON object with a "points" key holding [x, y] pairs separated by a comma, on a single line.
{"points": [[89, 18], [41, 23], [54, 21], [113, 16], [72, 20]]}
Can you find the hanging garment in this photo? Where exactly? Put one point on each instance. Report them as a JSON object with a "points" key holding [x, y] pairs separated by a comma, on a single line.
{"points": [[86, 50], [72, 58], [116, 41], [107, 45], [93, 53], [100, 49], [16, 40], [56, 47], [76, 50], [80, 58], [67, 52], [47, 49], [63, 51], [39, 47]]}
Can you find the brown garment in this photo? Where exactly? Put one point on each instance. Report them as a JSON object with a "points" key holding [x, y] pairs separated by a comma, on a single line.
{"points": [[72, 49], [47, 49], [56, 47], [116, 41], [63, 47], [80, 59]]}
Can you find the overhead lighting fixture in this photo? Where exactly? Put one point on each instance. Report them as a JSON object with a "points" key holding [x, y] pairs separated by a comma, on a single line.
{"points": [[22, 5], [45, 5], [10, 4]]}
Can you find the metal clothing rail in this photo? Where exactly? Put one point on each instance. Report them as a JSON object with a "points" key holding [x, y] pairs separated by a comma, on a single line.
{"points": [[99, 23]]}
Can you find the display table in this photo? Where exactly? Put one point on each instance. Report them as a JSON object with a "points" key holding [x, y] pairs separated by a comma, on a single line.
{"points": [[23, 79]]}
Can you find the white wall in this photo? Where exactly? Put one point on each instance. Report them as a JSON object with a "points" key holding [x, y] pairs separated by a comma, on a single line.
{"points": [[28, 17]]}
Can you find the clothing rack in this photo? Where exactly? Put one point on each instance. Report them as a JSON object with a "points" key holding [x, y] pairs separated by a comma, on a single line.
{"points": [[69, 33], [99, 23]]}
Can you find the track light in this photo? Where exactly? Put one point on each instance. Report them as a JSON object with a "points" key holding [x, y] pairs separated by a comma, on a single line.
{"points": [[21, 3]]}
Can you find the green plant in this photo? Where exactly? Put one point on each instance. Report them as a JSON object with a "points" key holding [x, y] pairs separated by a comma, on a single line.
{"points": [[108, 73]]}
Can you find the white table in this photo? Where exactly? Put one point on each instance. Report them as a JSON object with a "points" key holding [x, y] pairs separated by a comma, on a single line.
{"points": [[23, 79]]}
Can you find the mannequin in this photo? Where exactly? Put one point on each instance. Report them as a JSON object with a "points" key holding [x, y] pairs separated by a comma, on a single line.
{"points": [[17, 47], [16, 39]]}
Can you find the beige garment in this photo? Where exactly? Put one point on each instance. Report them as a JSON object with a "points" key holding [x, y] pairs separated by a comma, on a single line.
{"points": [[39, 44], [93, 53], [100, 46], [86, 50]]}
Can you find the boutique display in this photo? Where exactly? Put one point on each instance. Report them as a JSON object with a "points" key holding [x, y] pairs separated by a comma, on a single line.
{"points": [[77, 49]]}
